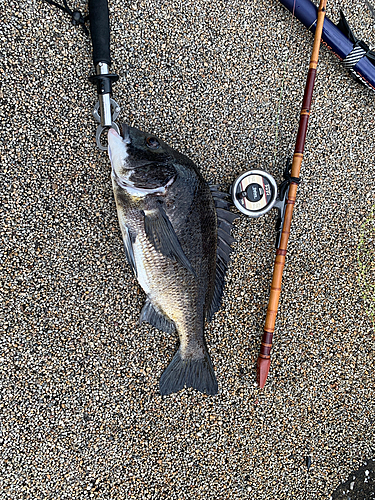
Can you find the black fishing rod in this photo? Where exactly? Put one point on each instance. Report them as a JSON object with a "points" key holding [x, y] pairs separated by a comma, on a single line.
{"points": [[106, 109]]}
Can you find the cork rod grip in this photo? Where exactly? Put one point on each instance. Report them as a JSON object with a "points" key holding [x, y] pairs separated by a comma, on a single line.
{"points": [[264, 359]]}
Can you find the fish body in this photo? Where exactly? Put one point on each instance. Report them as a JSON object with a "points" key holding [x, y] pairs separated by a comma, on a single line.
{"points": [[170, 228]]}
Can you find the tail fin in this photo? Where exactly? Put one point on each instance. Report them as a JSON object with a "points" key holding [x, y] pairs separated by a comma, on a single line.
{"points": [[191, 372]]}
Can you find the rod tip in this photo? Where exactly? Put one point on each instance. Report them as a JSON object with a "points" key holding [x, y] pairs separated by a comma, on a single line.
{"points": [[263, 367]]}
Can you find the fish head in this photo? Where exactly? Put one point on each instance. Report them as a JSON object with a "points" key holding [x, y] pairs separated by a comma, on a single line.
{"points": [[140, 161]]}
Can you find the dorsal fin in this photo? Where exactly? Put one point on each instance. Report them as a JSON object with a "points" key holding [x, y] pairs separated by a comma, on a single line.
{"points": [[225, 220]]}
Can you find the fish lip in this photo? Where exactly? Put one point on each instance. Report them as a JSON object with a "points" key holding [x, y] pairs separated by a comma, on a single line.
{"points": [[116, 137], [124, 133]]}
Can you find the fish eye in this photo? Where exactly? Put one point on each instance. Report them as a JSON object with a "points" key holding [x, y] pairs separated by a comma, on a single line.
{"points": [[152, 142]]}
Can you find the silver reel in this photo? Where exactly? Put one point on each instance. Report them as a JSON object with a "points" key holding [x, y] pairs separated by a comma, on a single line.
{"points": [[254, 193]]}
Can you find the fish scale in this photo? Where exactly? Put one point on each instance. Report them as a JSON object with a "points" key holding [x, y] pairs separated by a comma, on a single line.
{"points": [[169, 218], [176, 302]]}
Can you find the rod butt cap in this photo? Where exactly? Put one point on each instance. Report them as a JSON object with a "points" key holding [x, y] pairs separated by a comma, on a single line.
{"points": [[263, 367]]}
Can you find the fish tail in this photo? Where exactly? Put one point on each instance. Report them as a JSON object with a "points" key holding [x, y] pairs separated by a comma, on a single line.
{"points": [[190, 372]]}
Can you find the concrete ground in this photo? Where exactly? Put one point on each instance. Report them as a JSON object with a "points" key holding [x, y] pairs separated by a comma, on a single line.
{"points": [[80, 412]]}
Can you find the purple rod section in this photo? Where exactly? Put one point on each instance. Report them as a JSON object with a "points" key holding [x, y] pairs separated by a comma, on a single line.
{"points": [[306, 12]]}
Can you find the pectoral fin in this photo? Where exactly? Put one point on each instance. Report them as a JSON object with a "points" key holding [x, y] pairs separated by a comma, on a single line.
{"points": [[161, 234], [128, 247]]}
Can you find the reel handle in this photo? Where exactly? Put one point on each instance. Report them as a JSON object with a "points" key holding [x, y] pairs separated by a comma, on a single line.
{"points": [[99, 28]]}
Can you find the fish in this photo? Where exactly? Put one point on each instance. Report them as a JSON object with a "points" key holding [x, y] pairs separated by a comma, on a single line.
{"points": [[176, 230]]}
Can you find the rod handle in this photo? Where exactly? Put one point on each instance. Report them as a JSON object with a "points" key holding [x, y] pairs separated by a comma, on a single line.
{"points": [[264, 358], [99, 28]]}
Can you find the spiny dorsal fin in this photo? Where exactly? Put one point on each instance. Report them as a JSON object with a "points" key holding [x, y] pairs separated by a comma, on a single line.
{"points": [[225, 220]]}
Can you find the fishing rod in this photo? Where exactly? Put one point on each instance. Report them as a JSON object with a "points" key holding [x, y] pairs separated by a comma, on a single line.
{"points": [[255, 193], [106, 110], [264, 359], [355, 54]]}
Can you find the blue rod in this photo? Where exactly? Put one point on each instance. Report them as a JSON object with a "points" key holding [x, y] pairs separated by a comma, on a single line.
{"points": [[306, 12]]}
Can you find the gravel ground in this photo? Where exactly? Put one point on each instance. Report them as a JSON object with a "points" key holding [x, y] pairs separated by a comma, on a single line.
{"points": [[80, 412]]}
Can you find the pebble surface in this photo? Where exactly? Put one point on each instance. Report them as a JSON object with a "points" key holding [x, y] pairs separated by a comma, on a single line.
{"points": [[80, 412]]}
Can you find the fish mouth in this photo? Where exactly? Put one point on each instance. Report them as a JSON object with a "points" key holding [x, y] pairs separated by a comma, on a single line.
{"points": [[134, 168], [124, 163], [137, 162]]}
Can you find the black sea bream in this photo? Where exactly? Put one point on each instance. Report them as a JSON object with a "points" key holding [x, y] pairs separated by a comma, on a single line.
{"points": [[176, 232]]}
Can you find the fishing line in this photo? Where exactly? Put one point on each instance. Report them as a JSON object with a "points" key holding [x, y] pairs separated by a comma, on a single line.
{"points": [[76, 16]]}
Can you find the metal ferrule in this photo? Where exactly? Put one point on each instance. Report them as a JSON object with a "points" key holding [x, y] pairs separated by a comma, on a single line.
{"points": [[104, 99]]}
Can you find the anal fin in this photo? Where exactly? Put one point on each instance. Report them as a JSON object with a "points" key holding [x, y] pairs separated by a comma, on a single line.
{"points": [[157, 319]]}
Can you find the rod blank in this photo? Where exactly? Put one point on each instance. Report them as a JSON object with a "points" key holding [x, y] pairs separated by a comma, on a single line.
{"points": [[264, 359]]}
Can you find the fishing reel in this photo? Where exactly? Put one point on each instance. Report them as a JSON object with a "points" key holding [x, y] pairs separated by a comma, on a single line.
{"points": [[254, 193]]}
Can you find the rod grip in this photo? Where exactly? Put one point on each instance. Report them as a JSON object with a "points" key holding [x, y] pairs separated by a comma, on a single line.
{"points": [[99, 28]]}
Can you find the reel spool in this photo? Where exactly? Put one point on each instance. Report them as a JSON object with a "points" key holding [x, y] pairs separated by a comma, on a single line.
{"points": [[254, 193]]}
